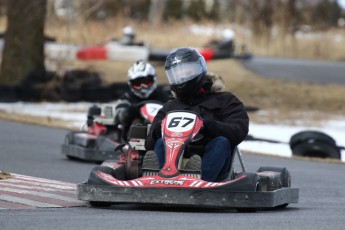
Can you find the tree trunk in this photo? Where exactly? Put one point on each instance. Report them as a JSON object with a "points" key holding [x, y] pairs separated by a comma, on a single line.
{"points": [[24, 39]]}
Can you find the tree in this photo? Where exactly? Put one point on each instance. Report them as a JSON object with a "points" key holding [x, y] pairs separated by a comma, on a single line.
{"points": [[24, 39]]}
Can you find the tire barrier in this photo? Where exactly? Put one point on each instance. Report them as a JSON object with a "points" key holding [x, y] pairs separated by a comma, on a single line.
{"points": [[73, 86], [308, 143], [311, 143], [8, 93]]}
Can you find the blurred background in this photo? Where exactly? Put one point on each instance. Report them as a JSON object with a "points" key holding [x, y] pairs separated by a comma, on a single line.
{"points": [[298, 29]]}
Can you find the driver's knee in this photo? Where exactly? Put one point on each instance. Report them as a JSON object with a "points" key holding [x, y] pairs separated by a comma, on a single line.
{"points": [[160, 152]]}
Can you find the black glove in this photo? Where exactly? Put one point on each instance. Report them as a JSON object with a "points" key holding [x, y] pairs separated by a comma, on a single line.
{"points": [[156, 131], [210, 128], [89, 121]]}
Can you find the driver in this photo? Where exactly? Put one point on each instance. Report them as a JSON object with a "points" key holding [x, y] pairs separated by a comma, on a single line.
{"points": [[225, 118], [142, 82]]}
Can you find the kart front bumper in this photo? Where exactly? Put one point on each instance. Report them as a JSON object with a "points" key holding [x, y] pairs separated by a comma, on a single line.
{"points": [[89, 154], [188, 197]]}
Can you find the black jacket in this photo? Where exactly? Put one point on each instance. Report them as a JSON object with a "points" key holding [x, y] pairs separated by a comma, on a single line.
{"points": [[158, 95], [226, 109]]}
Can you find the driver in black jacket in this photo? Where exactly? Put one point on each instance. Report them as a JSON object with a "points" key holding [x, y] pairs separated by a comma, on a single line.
{"points": [[225, 118]]}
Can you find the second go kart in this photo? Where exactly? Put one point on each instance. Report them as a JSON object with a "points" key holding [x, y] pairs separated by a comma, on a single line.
{"points": [[98, 141]]}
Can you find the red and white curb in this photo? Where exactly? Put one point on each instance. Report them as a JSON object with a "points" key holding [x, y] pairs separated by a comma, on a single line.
{"points": [[25, 192]]}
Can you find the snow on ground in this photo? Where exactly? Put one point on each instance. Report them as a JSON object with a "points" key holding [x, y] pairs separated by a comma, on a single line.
{"points": [[75, 114]]}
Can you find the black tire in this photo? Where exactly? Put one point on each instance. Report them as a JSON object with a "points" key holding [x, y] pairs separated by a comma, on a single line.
{"points": [[8, 93], [69, 139], [32, 93], [285, 176], [38, 77], [71, 93], [311, 136], [100, 204], [118, 89], [150, 160], [83, 78], [317, 149], [96, 94]]}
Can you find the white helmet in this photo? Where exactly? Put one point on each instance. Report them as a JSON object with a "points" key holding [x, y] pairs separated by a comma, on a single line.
{"points": [[142, 79], [228, 35], [128, 31]]}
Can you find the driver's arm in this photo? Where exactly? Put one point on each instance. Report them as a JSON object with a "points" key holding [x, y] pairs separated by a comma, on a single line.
{"points": [[155, 130]]}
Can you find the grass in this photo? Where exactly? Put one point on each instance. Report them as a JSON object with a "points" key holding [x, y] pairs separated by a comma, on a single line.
{"points": [[282, 101], [286, 101]]}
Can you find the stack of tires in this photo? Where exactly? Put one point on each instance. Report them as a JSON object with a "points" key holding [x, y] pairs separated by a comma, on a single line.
{"points": [[77, 84], [311, 143], [74, 86], [8, 93], [82, 85]]}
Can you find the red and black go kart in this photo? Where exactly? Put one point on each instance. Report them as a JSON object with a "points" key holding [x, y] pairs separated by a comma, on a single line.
{"points": [[130, 181], [97, 142]]}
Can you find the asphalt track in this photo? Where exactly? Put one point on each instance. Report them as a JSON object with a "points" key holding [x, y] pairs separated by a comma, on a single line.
{"points": [[317, 72], [35, 151]]}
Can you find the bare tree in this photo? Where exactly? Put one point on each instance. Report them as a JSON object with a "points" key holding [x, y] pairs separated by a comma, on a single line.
{"points": [[24, 39]]}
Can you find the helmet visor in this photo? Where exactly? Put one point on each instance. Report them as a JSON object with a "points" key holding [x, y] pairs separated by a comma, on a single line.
{"points": [[140, 82], [184, 72]]}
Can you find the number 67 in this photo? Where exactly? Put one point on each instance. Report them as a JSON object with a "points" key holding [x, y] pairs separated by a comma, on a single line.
{"points": [[176, 121]]}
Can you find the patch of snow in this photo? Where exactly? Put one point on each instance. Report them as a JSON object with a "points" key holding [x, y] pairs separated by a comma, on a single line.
{"points": [[75, 115]]}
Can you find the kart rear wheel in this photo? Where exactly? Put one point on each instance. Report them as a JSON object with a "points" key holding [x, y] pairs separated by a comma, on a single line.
{"points": [[285, 176], [68, 141]]}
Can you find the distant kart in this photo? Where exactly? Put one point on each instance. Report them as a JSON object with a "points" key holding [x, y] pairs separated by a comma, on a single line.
{"points": [[214, 50], [137, 179], [98, 142]]}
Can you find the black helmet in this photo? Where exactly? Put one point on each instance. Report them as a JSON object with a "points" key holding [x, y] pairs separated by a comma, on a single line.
{"points": [[185, 69]]}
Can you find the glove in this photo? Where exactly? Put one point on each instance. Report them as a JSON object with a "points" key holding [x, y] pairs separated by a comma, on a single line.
{"points": [[89, 121], [210, 128], [156, 131], [154, 135]]}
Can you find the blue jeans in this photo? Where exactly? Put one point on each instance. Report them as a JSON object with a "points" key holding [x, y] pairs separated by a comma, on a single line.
{"points": [[215, 163]]}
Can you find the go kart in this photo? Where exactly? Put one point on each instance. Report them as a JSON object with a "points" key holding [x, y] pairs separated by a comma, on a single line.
{"points": [[132, 180], [98, 141]]}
